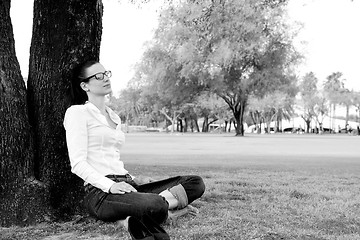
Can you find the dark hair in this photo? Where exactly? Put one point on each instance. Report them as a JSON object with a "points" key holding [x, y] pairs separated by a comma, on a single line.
{"points": [[82, 69], [79, 95]]}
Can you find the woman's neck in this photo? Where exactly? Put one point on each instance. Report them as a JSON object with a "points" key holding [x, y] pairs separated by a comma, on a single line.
{"points": [[99, 102]]}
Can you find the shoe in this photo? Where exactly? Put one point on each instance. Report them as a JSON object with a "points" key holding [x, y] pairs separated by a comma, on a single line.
{"points": [[138, 231], [157, 231]]}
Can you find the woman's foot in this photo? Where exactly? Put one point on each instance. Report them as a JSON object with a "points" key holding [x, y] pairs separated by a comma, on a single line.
{"points": [[123, 223], [175, 214], [138, 230]]}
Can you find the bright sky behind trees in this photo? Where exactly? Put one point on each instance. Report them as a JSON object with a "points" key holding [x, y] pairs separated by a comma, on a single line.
{"points": [[331, 30]]}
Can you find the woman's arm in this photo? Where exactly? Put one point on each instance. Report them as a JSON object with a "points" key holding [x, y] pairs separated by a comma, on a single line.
{"points": [[75, 124]]}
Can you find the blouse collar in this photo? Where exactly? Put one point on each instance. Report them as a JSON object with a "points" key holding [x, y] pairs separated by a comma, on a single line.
{"points": [[112, 114]]}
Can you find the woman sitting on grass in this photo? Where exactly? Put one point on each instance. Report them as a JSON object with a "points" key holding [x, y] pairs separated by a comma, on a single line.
{"points": [[94, 139]]}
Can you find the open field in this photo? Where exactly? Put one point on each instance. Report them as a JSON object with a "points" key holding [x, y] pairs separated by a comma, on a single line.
{"points": [[262, 187]]}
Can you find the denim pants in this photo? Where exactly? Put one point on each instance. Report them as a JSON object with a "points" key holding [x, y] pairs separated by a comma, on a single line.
{"points": [[113, 207]]}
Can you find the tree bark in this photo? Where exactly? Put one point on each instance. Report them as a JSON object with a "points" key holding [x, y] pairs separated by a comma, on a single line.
{"points": [[65, 33], [237, 105], [196, 124], [205, 125], [307, 122], [347, 114], [16, 163], [238, 114]]}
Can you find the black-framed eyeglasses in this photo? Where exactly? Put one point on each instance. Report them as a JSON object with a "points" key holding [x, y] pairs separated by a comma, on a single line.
{"points": [[99, 76]]}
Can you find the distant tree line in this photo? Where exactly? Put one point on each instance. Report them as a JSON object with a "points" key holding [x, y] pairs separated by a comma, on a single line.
{"points": [[316, 103], [307, 99]]}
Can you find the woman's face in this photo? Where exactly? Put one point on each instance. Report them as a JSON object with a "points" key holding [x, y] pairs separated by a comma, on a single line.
{"points": [[99, 82]]}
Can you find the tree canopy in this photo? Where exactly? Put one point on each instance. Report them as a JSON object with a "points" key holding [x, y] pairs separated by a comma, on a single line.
{"points": [[230, 48]]}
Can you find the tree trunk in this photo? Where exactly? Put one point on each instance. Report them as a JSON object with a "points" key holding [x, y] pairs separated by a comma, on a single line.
{"points": [[17, 185], [238, 112], [239, 130], [196, 124], [191, 125], [268, 128], [205, 126], [237, 104], [347, 114], [333, 116], [174, 121], [307, 125], [171, 119], [279, 126], [65, 33]]}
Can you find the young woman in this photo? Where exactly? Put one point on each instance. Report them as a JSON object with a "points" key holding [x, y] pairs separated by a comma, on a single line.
{"points": [[94, 139]]}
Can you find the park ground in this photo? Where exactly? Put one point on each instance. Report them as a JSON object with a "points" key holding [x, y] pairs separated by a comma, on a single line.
{"points": [[264, 187]]}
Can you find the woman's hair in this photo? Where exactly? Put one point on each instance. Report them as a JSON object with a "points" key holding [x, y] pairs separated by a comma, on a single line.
{"points": [[79, 76], [82, 70]]}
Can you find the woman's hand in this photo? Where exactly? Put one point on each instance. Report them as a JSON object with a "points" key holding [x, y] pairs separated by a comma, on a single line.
{"points": [[121, 188]]}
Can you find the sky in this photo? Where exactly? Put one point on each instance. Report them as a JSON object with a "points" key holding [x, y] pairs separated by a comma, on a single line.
{"points": [[331, 34]]}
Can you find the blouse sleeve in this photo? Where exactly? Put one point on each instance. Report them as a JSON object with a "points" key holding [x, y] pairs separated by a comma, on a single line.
{"points": [[75, 124]]}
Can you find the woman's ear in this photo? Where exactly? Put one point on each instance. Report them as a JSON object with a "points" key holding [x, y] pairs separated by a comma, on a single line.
{"points": [[84, 87]]}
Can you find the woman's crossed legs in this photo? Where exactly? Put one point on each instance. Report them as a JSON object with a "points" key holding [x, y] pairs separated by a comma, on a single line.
{"points": [[153, 199]]}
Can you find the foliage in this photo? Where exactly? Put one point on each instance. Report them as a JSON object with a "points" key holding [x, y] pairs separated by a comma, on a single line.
{"points": [[127, 106], [158, 75], [309, 98], [211, 108], [333, 86], [336, 92], [274, 106], [232, 48], [356, 102], [321, 109]]}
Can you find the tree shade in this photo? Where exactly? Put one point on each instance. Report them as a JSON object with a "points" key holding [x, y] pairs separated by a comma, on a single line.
{"points": [[35, 170]]}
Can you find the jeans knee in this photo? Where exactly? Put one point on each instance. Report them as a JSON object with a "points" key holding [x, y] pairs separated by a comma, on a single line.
{"points": [[157, 208], [200, 186]]}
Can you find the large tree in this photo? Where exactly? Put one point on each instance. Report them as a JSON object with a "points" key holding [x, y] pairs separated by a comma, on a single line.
{"points": [[356, 103], [159, 76], [321, 110], [309, 98], [234, 48], [34, 154], [16, 162], [333, 87], [346, 99]]}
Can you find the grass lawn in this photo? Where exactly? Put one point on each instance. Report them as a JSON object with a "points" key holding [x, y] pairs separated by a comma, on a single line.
{"points": [[263, 187]]}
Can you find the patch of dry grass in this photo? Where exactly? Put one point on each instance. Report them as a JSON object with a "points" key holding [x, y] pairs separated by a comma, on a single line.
{"points": [[249, 195]]}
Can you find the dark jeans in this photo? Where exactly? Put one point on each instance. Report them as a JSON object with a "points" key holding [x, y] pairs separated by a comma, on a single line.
{"points": [[113, 207]]}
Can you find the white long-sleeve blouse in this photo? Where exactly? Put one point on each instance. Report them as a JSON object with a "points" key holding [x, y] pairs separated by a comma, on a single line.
{"points": [[93, 145]]}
